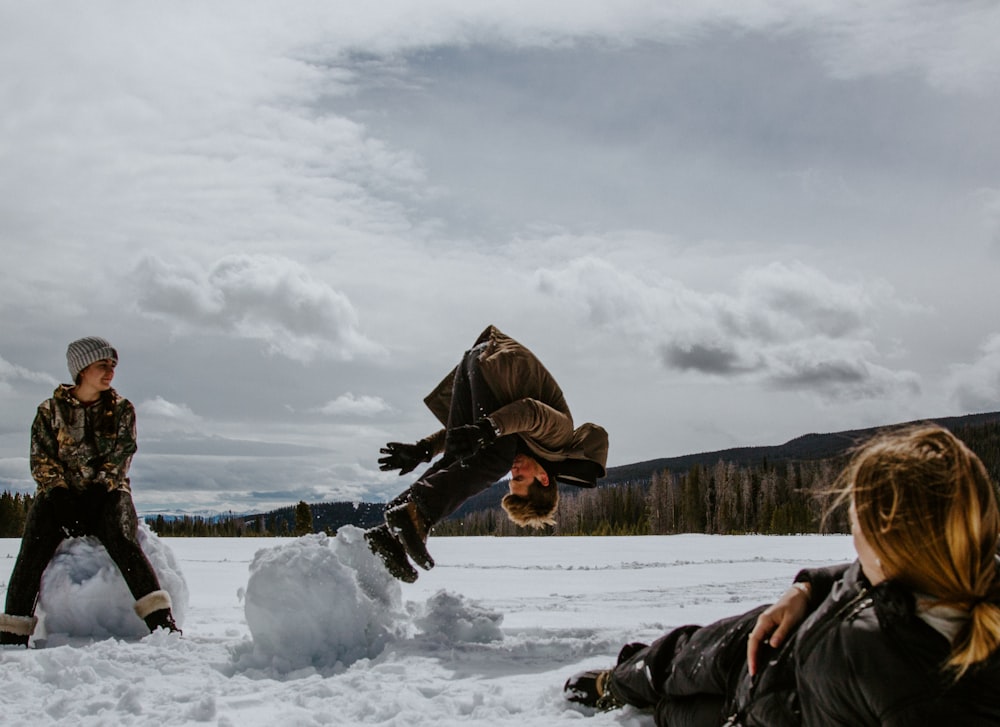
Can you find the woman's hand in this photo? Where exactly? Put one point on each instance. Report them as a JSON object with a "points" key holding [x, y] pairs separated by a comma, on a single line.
{"points": [[778, 621]]}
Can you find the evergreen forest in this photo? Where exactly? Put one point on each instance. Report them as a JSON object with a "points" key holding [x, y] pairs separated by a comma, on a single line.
{"points": [[766, 490]]}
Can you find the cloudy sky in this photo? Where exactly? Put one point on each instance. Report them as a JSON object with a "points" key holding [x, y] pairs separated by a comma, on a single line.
{"points": [[718, 224]]}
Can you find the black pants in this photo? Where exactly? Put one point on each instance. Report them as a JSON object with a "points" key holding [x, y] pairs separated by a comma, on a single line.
{"points": [[60, 513], [691, 676], [449, 482]]}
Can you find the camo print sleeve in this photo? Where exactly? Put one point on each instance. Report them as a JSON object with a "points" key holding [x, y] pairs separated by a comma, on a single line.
{"points": [[77, 448], [46, 468], [113, 471]]}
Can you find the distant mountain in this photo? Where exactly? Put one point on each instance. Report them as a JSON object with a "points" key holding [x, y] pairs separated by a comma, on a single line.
{"points": [[806, 447]]}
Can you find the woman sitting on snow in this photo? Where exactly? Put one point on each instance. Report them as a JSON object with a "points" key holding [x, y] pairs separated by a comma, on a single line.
{"points": [[82, 442], [909, 634]]}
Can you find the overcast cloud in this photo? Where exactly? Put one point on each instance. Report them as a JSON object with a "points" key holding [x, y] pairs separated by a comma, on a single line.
{"points": [[718, 224]]}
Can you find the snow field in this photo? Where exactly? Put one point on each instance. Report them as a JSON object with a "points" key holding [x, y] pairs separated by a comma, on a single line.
{"points": [[309, 631]]}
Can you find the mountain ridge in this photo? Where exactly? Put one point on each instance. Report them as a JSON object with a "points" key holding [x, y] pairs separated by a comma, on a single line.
{"points": [[809, 446]]}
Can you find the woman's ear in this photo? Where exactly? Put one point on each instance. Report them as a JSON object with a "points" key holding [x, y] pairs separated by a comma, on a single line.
{"points": [[543, 478]]}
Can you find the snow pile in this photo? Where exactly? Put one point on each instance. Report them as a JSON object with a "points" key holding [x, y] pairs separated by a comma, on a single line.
{"points": [[326, 603], [568, 604], [321, 602], [451, 618], [83, 593]]}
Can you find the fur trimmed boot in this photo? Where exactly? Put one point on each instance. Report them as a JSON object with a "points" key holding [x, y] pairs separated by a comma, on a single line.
{"points": [[154, 609], [409, 527], [16, 630]]}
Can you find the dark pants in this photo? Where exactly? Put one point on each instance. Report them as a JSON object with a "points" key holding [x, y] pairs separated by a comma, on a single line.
{"points": [[59, 514], [449, 482], [690, 676]]}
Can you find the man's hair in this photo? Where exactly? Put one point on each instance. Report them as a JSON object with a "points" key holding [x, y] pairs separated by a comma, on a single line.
{"points": [[537, 509], [928, 508]]}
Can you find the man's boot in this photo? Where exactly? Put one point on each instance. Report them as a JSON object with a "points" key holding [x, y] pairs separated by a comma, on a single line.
{"points": [[407, 525], [391, 552]]}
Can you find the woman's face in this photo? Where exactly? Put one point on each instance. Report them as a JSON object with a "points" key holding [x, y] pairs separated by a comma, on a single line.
{"points": [[870, 563], [98, 375]]}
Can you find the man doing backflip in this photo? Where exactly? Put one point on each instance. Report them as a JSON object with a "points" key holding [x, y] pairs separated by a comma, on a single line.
{"points": [[502, 413]]}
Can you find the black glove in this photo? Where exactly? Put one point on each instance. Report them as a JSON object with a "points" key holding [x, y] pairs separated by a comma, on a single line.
{"points": [[403, 457], [466, 440], [63, 505]]}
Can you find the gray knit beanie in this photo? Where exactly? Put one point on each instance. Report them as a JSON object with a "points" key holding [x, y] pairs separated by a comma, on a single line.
{"points": [[80, 354]]}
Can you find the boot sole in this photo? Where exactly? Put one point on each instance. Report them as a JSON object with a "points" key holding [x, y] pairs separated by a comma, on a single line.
{"points": [[402, 527], [392, 554]]}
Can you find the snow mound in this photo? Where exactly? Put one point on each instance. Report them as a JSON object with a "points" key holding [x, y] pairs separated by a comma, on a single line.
{"points": [[83, 593], [324, 603], [321, 602], [452, 618]]}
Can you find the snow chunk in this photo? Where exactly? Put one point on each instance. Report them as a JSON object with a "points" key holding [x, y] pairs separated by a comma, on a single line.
{"points": [[83, 593], [452, 618], [321, 602], [325, 603]]}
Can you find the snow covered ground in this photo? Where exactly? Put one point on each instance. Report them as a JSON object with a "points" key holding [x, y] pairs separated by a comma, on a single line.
{"points": [[309, 631]]}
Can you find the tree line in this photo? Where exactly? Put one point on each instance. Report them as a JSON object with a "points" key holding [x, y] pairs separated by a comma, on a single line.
{"points": [[287, 522], [769, 496], [13, 510]]}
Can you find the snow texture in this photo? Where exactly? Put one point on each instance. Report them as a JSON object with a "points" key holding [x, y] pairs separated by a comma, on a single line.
{"points": [[312, 631], [83, 593], [355, 605]]}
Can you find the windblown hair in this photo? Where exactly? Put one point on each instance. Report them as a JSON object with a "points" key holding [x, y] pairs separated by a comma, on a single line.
{"points": [[928, 508], [537, 509]]}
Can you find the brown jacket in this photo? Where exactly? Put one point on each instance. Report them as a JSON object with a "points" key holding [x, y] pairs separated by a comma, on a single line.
{"points": [[532, 406]]}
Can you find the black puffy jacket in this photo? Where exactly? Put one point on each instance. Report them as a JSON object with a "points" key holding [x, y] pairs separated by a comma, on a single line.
{"points": [[864, 658]]}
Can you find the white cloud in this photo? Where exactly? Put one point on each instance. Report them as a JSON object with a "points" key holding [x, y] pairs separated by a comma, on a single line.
{"points": [[948, 43], [264, 298], [355, 405], [976, 386], [200, 181], [791, 326], [12, 372], [160, 408]]}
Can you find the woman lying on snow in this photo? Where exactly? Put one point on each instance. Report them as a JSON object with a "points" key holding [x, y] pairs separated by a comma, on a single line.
{"points": [[908, 634]]}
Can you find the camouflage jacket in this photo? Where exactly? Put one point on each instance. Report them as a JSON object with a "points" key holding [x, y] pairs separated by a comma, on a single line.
{"points": [[76, 446]]}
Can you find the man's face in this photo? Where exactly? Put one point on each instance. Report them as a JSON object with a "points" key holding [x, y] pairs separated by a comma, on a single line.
{"points": [[523, 471]]}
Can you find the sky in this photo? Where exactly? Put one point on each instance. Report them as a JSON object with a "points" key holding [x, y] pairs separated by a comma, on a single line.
{"points": [[718, 224], [461, 646]]}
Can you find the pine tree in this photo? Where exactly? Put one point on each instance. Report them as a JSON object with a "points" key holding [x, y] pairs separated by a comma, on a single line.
{"points": [[303, 519]]}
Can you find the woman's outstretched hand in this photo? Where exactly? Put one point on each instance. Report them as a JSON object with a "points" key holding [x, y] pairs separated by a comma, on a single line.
{"points": [[778, 621]]}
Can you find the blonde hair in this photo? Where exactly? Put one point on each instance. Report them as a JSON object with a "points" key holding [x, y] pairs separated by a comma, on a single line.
{"points": [[928, 508], [537, 509]]}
